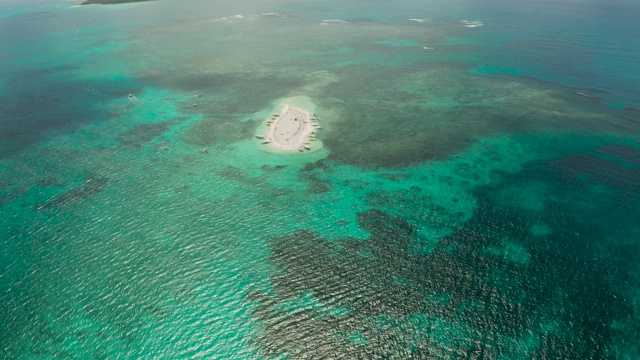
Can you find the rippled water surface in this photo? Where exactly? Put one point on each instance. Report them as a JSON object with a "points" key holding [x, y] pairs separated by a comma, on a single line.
{"points": [[477, 195]]}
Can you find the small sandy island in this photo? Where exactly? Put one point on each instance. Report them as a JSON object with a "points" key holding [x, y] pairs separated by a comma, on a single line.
{"points": [[292, 127]]}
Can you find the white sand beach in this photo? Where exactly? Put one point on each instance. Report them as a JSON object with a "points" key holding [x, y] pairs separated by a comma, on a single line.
{"points": [[292, 129]]}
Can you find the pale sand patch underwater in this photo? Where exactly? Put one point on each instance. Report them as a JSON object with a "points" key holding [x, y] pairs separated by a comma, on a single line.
{"points": [[291, 127]]}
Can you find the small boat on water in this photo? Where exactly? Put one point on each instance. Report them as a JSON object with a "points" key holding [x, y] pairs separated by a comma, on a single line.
{"points": [[307, 147], [259, 137]]}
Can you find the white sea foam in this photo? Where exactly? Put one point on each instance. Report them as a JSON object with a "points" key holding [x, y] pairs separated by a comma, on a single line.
{"points": [[231, 18], [471, 23], [275, 14], [427, 48], [420, 20], [254, 16], [336, 21]]}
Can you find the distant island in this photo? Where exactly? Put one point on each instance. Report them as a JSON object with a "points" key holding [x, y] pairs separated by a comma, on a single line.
{"points": [[109, 2]]}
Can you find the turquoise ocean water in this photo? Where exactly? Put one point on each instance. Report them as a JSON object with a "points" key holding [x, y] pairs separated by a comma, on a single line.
{"points": [[477, 195]]}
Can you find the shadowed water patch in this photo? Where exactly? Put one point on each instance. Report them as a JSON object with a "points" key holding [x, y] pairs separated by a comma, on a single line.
{"points": [[494, 288], [230, 93], [41, 104], [143, 133], [237, 174], [90, 187], [269, 169], [228, 102], [584, 168], [628, 154], [391, 136], [213, 130], [432, 113], [317, 186]]}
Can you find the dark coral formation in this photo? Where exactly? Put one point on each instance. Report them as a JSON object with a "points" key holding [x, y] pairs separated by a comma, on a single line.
{"points": [[563, 298]]}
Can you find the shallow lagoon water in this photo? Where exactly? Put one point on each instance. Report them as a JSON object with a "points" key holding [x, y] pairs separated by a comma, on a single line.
{"points": [[476, 196]]}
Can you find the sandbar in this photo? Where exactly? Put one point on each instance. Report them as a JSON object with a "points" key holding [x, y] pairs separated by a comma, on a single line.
{"points": [[292, 129]]}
